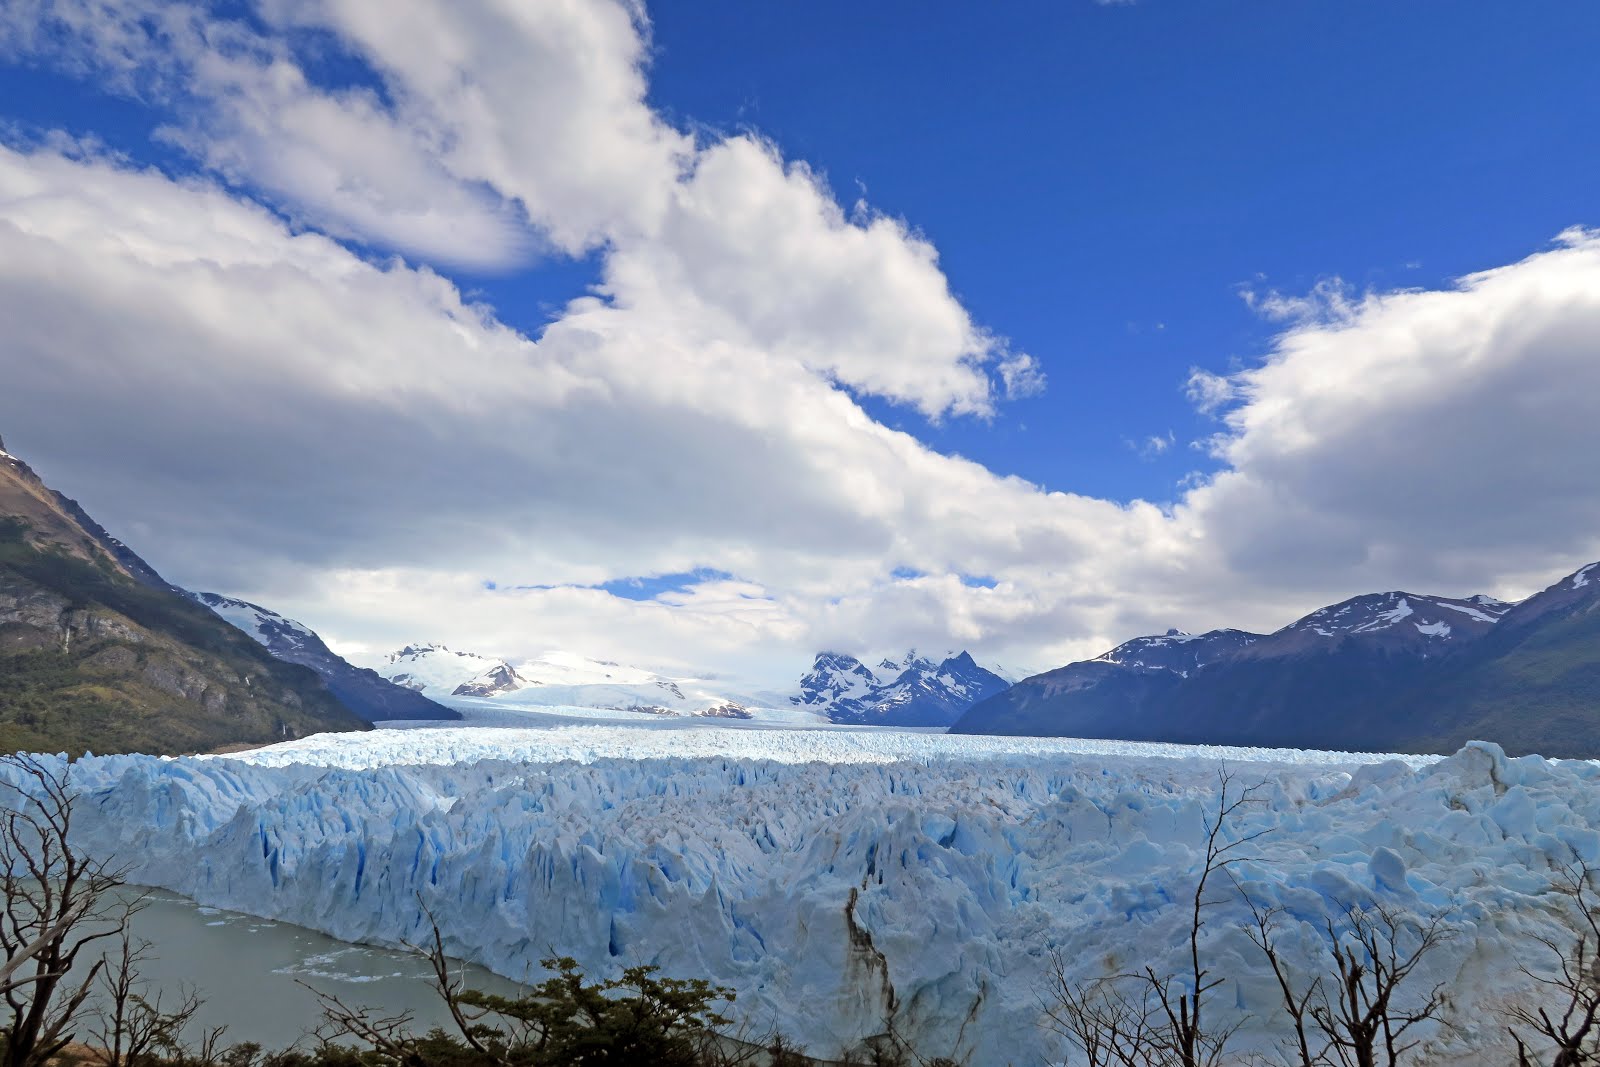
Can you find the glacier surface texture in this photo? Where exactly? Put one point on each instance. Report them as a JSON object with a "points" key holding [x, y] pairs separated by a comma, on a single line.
{"points": [[843, 880]]}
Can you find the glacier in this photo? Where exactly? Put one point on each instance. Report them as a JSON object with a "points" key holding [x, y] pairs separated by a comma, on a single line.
{"points": [[843, 880]]}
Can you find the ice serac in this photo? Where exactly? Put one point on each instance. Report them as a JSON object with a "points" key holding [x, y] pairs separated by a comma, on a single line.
{"points": [[1395, 670], [363, 691], [913, 691], [963, 862]]}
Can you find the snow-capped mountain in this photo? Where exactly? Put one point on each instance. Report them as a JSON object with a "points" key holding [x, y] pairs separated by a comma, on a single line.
{"points": [[440, 671], [913, 691], [502, 678], [568, 681], [277, 633], [363, 691], [1398, 670], [1177, 651], [1394, 622]]}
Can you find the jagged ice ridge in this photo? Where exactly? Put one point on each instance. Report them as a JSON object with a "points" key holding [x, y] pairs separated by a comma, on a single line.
{"points": [[838, 877]]}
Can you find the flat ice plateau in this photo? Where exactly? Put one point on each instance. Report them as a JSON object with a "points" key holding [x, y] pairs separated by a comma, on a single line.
{"points": [[840, 879]]}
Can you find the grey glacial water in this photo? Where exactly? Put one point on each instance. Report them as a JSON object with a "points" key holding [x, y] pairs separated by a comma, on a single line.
{"points": [[250, 970]]}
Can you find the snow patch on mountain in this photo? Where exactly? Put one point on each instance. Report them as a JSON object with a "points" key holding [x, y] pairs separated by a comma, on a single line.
{"points": [[1385, 619], [1375, 613], [1177, 651], [263, 624], [1395, 622], [1499, 608]]}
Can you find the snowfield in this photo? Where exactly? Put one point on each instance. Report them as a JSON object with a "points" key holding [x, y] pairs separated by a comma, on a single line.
{"points": [[840, 878], [420, 743]]}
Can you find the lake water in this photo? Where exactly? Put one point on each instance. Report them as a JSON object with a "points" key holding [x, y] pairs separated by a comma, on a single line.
{"points": [[250, 971]]}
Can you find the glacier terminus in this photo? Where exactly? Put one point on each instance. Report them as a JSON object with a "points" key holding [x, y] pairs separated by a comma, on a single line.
{"points": [[848, 881]]}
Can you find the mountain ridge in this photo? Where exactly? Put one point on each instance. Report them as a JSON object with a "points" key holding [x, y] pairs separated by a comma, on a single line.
{"points": [[915, 691], [360, 689], [1394, 671], [98, 652], [912, 691]]}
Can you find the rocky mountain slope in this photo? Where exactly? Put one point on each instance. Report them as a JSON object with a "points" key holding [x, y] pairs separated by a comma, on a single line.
{"points": [[915, 691], [1534, 679], [1387, 671], [363, 691], [98, 652]]}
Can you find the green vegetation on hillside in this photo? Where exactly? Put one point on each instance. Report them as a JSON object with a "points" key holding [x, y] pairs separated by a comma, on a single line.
{"points": [[92, 660], [1529, 689]]}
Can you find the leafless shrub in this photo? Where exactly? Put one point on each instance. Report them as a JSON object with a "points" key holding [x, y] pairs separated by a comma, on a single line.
{"points": [[57, 902], [1148, 1019], [133, 1026], [1571, 1025], [1359, 1014]]}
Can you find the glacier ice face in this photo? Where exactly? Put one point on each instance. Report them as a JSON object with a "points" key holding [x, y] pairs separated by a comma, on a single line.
{"points": [[839, 878]]}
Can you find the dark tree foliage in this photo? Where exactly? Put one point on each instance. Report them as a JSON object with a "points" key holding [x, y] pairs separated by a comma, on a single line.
{"points": [[564, 1021]]}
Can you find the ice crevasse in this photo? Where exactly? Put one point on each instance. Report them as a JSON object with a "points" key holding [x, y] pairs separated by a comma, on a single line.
{"points": [[929, 890]]}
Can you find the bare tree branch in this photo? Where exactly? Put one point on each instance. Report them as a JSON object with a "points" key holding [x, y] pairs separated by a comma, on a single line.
{"points": [[57, 903], [1374, 953], [1574, 1030]]}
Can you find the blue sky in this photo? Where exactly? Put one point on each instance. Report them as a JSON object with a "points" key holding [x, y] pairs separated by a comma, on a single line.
{"points": [[1104, 185], [1101, 180]]}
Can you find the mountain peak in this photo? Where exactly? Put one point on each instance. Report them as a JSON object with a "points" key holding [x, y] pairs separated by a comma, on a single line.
{"points": [[1393, 621], [421, 648], [49, 519], [915, 690], [1176, 651], [1380, 670]]}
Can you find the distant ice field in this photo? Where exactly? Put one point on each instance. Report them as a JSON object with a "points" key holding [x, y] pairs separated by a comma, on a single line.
{"points": [[581, 735], [846, 881]]}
